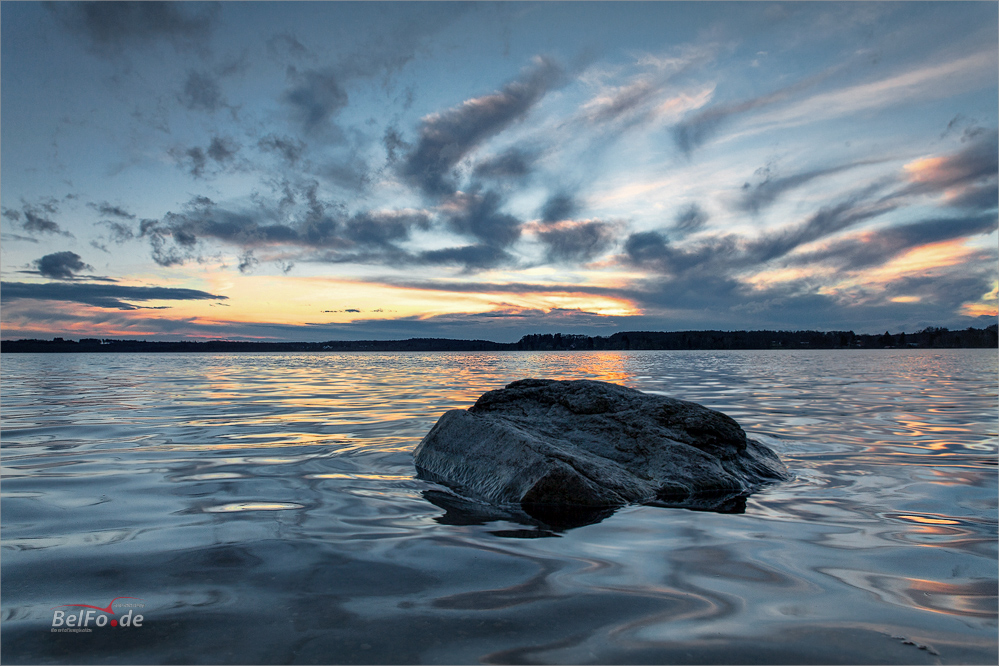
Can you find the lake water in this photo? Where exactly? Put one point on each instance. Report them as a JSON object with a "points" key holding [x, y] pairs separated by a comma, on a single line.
{"points": [[264, 508]]}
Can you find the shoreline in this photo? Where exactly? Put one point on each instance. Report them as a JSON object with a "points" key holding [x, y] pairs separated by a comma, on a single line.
{"points": [[930, 338]]}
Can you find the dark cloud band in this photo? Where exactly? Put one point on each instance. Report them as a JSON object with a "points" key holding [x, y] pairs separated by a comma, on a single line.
{"points": [[99, 295]]}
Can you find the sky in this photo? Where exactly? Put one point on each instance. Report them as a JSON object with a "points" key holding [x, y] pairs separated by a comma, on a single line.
{"points": [[335, 171]]}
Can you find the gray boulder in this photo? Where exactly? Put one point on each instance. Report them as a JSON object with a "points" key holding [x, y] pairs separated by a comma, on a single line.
{"points": [[541, 442]]}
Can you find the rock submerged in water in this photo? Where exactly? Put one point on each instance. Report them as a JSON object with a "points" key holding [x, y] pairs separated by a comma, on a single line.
{"points": [[547, 443]]}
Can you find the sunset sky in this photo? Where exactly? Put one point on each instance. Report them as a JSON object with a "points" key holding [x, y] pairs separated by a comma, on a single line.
{"points": [[316, 171]]}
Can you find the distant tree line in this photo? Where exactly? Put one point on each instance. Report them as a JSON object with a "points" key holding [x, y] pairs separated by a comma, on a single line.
{"points": [[110, 345], [931, 337], [928, 338]]}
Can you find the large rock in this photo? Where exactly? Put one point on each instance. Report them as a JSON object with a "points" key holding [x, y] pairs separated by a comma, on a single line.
{"points": [[541, 442]]}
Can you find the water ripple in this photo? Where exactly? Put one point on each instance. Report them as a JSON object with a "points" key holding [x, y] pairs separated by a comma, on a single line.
{"points": [[266, 508]]}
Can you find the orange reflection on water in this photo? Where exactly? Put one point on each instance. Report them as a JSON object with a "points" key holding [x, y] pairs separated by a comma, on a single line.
{"points": [[976, 598], [367, 477], [603, 366], [953, 477], [323, 387], [928, 521]]}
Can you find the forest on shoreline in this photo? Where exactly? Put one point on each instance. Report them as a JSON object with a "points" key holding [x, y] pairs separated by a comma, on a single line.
{"points": [[928, 338]]}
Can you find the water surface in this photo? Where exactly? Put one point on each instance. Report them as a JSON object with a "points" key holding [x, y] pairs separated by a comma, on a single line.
{"points": [[264, 508]]}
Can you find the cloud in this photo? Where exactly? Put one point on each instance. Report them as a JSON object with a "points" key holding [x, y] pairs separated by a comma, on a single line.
{"points": [[694, 131], [933, 80], [503, 324], [705, 274], [979, 197], [108, 210], [287, 147], [202, 92], [383, 229], [948, 289], [472, 257], [715, 301], [478, 215], [623, 99], [315, 97], [387, 51], [203, 218], [111, 27], [511, 163], [726, 255], [220, 151], [967, 178], [193, 159], [36, 223], [350, 173], [576, 241], [17, 237], [644, 97], [825, 222], [303, 220], [652, 250], [876, 248], [757, 197], [247, 261], [100, 295], [506, 287], [36, 218], [559, 206], [447, 137], [285, 45], [707, 282], [61, 265], [394, 144], [689, 220]]}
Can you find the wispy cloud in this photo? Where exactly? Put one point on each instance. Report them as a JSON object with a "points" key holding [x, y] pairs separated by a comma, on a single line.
{"points": [[109, 210], [446, 137], [99, 295], [877, 247], [690, 219], [755, 198], [967, 178], [931, 81], [694, 131], [37, 218]]}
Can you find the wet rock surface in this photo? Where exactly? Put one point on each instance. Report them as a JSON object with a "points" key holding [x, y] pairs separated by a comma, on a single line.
{"points": [[544, 443]]}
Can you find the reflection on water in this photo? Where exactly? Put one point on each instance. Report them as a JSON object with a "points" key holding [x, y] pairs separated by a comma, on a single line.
{"points": [[546, 520], [266, 509]]}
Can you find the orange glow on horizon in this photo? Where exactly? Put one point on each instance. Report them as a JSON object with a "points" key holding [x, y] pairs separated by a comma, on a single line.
{"points": [[979, 310], [292, 301]]}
